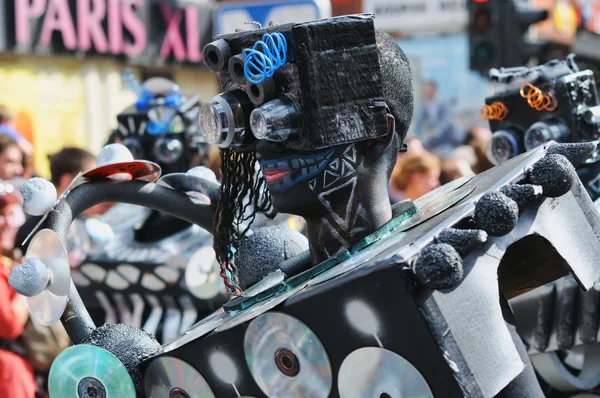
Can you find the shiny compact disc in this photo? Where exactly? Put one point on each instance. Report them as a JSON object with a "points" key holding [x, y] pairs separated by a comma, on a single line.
{"points": [[202, 274], [377, 372], [286, 358], [434, 206], [169, 377], [87, 371]]}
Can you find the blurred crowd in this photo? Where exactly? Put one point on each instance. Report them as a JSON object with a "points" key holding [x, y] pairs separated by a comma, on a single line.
{"points": [[437, 153]]}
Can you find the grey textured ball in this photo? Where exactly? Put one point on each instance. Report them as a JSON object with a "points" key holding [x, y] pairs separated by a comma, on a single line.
{"points": [[262, 252], [439, 266], [29, 278], [522, 194], [113, 153], [575, 152], [496, 213], [462, 240], [554, 173], [130, 345]]}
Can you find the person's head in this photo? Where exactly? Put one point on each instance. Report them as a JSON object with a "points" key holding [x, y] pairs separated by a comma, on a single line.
{"points": [[417, 175], [67, 163], [6, 115], [338, 142], [475, 134], [11, 218], [453, 168], [429, 90], [483, 163], [11, 158]]}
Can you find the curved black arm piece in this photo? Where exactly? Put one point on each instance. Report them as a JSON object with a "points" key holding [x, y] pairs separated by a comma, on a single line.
{"points": [[76, 319]]}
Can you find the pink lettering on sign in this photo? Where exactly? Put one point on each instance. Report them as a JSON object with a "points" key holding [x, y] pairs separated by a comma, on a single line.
{"points": [[173, 40], [58, 17], [115, 31], [89, 25], [24, 11], [192, 34], [135, 26]]}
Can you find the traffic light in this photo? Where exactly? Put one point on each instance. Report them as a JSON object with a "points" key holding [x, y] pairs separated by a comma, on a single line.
{"points": [[496, 34]]}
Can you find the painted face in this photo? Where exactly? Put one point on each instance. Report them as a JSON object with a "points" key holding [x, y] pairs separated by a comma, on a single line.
{"points": [[300, 182]]}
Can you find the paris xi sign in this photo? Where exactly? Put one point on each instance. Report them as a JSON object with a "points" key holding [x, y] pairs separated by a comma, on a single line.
{"points": [[140, 31]]}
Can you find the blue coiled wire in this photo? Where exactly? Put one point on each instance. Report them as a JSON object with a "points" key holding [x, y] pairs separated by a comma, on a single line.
{"points": [[265, 57]]}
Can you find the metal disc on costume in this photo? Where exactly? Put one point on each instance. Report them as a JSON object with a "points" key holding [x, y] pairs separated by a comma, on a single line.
{"points": [[193, 186], [86, 371], [286, 358], [47, 247], [377, 372], [47, 308], [168, 377], [137, 170], [435, 206], [202, 274], [255, 310], [444, 189]]}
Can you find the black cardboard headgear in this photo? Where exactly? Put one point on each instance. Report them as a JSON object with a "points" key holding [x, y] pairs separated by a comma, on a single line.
{"points": [[344, 78]]}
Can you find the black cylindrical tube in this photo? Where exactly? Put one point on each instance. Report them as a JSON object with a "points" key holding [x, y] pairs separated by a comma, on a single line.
{"points": [[76, 318], [262, 92], [216, 55], [236, 69]]}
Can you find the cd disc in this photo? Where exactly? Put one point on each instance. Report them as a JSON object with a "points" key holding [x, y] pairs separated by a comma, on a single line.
{"points": [[435, 206], [202, 274], [168, 377], [377, 372], [198, 330], [286, 358], [86, 371], [191, 185], [444, 189], [47, 247]]}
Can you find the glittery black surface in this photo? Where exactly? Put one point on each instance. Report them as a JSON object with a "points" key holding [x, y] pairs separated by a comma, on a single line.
{"points": [[554, 173], [462, 240], [576, 153], [496, 213], [263, 252], [522, 194], [439, 266], [129, 344]]}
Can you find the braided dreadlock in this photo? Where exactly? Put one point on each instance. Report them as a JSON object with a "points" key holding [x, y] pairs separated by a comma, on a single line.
{"points": [[241, 190]]}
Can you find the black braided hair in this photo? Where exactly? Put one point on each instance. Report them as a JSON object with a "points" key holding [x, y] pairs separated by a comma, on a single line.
{"points": [[240, 192]]}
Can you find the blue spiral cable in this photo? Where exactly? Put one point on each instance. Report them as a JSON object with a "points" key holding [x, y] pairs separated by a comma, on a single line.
{"points": [[265, 57]]}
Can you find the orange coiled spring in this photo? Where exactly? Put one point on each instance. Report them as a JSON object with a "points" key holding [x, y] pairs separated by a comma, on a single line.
{"points": [[495, 111], [537, 99]]}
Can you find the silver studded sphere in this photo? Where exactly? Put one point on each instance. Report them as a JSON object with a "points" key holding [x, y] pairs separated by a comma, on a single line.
{"points": [[204, 173], [113, 153], [39, 196]]}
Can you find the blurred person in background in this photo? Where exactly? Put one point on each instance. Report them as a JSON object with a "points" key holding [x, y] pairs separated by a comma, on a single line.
{"points": [[64, 167], [453, 168], [6, 128], [414, 176], [11, 158], [434, 123], [476, 134], [16, 374]]}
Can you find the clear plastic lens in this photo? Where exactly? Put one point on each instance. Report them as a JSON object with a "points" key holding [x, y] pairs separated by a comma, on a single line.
{"points": [[276, 120], [542, 132], [135, 147], [167, 150], [210, 121], [161, 114], [503, 146]]}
